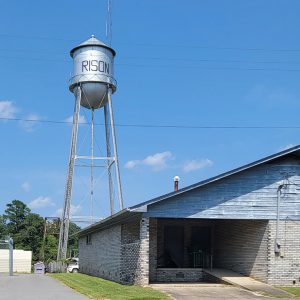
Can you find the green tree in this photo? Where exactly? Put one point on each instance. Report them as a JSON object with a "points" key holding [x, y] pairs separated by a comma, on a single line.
{"points": [[50, 248], [31, 236], [3, 229], [26, 228], [15, 215], [73, 238]]}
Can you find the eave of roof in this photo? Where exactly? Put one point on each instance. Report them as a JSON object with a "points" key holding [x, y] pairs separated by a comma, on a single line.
{"points": [[116, 218]]}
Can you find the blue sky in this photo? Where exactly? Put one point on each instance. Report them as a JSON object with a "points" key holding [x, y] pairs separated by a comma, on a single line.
{"points": [[185, 63]]}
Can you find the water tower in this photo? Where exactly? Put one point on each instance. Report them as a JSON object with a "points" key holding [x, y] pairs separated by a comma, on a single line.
{"points": [[93, 84]]}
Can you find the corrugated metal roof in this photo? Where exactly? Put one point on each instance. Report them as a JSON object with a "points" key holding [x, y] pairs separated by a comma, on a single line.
{"points": [[92, 41], [142, 207]]}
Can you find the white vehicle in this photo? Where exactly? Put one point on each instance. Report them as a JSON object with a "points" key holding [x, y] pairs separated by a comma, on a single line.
{"points": [[73, 265]]}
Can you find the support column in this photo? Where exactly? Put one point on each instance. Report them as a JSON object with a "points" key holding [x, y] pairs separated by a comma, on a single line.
{"points": [[109, 162], [65, 218], [114, 143], [152, 249], [143, 272]]}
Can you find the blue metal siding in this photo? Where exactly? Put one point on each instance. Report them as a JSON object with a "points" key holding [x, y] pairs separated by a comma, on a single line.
{"points": [[250, 194]]}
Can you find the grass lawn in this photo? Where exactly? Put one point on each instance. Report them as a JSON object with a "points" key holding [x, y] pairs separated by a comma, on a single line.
{"points": [[293, 290], [98, 288]]}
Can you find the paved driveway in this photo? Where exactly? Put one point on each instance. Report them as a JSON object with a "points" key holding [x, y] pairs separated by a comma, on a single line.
{"points": [[208, 292], [35, 287]]}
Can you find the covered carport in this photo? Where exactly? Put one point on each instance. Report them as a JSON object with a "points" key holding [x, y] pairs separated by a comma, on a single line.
{"points": [[182, 248]]}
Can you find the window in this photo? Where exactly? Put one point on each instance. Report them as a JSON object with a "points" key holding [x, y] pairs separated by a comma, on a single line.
{"points": [[89, 239]]}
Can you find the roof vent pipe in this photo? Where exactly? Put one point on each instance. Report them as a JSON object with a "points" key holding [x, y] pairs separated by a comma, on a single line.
{"points": [[176, 183]]}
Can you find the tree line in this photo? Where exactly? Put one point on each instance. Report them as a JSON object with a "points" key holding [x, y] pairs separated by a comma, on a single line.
{"points": [[32, 232]]}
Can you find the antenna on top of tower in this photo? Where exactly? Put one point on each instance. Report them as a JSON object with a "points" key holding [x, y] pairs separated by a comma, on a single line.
{"points": [[109, 22]]}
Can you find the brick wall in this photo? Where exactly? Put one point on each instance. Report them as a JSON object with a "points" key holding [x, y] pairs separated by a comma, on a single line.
{"points": [[130, 249], [152, 249], [119, 253], [135, 252], [143, 262], [242, 246], [179, 275], [102, 257], [284, 268], [128, 253]]}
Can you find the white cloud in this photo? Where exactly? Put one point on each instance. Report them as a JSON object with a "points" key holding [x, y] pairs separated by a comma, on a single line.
{"points": [[26, 186], [196, 164], [157, 161], [271, 96], [74, 210], [288, 146], [132, 163], [81, 119], [41, 202], [31, 122], [7, 109]]}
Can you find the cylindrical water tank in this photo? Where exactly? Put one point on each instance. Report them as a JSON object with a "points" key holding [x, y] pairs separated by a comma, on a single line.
{"points": [[93, 71]]}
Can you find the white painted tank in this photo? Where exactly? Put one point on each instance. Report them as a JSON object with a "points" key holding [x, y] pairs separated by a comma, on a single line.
{"points": [[93, 70]]}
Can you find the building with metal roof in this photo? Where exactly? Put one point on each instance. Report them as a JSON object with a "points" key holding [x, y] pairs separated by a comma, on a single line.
{"points": [[246, 220]]}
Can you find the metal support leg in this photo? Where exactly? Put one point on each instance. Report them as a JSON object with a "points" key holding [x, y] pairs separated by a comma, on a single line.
{"points": [[11, 256], [64, 226], [113, 135], [92, 168], [108, 154]]}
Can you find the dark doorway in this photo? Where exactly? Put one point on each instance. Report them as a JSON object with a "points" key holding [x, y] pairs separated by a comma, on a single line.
{"points": [[173, 246], [200, 239], [200, 247]]}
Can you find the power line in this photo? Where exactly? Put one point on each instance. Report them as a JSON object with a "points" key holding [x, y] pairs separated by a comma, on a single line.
{"points": [[169, 66], [209, 68], [34, 37], [212, 60], [212, 47], [183, 45], [158, 126], [184, 59], [9, 50]]}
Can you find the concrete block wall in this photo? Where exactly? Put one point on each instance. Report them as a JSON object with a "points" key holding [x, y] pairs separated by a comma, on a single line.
{"points": [[143, 272], [284, 268], [129, 263], [152, 249], [102, 257], [242, 246], [135, 252], [130, 251], [131, 232], [179, 275]]}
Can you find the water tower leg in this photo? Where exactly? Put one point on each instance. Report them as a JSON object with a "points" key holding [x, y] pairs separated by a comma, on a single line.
{"points": [[113, 135], [65, 219], [92, 167], [109, 161]]}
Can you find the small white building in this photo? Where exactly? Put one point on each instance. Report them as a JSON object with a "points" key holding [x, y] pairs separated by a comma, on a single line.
{"points": [[21, 264]]}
